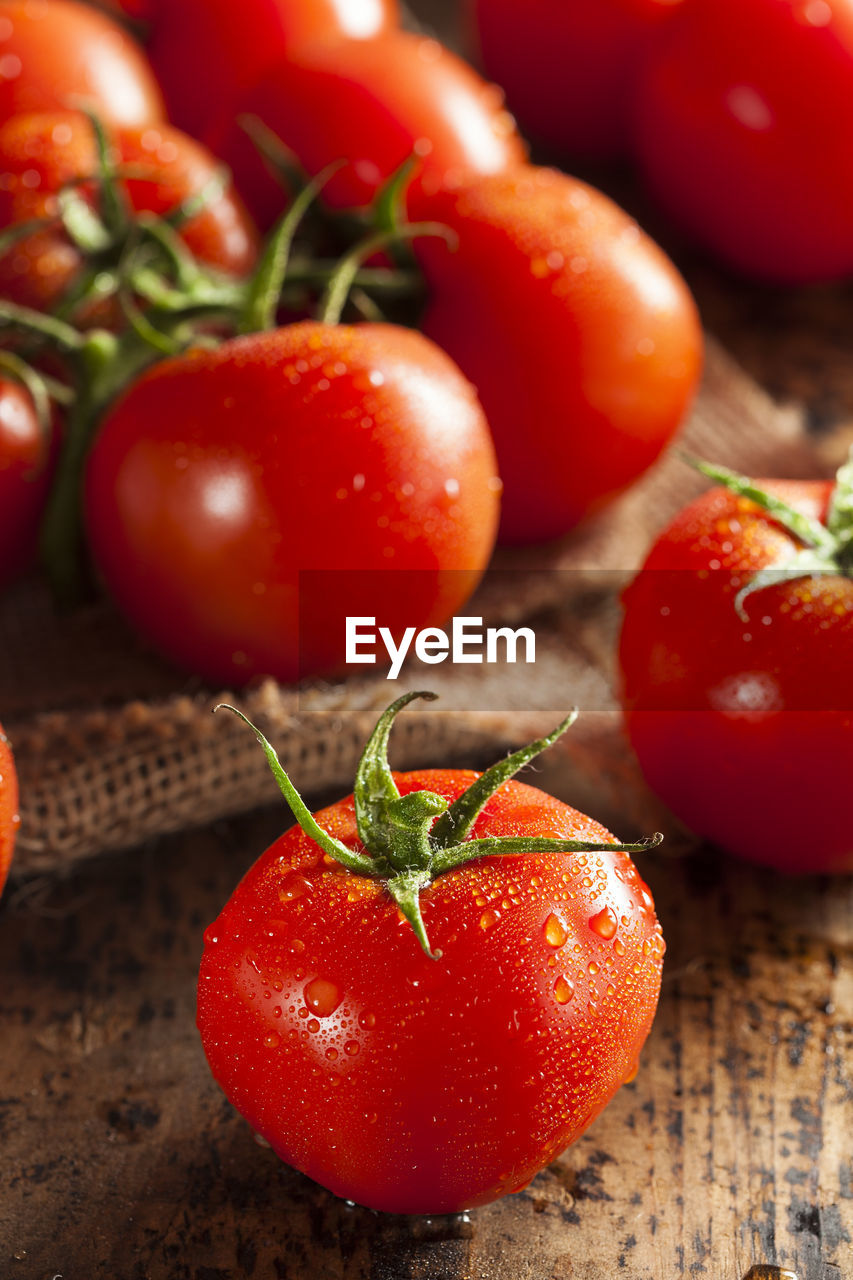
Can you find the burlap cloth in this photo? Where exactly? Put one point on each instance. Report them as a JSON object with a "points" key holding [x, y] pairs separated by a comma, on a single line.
{"points": [[114, 747]]}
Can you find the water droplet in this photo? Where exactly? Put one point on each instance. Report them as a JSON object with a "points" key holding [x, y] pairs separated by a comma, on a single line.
{"points": [[294, 886], [272, 1041], [367, 1020], [555, 931], [322, 996], [331, 1054], [592, 968], [564, 989], [604, 923], [210, 937], [351, 1047], [313, 1025], [489, 918], [619, 947]]}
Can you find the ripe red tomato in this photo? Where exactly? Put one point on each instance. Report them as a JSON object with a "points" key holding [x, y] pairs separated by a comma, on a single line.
{"points": [[376, 103], [25, 474], [10, 819], [580, 336], [744, 119], [222, 475], [429, 1083], [42, 153], [744, 726], [208, 52], [55, 52], [568, 66]]}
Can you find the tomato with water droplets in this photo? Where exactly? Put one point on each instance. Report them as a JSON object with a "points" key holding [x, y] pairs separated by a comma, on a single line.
{"points": [[735, 655], [9, 816], [433, 1080], [26, 468], [44, 154], [57, 53], [229, 46], [243, 502]]}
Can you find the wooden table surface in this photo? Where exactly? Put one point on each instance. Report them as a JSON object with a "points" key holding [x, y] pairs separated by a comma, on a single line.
{"points": [[733, 1148], [122, 1159]]}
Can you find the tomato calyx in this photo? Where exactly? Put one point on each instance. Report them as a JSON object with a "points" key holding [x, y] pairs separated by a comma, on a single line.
{"points": [[825, 548], [412, 839]]}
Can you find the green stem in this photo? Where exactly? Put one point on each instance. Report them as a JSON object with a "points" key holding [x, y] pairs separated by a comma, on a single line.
{"points": [[17, 369], [332, 306], [490, 846], [808, 531], [348, 858], [375, 787], [454, 825], [266, 285], [37, 324], [396, 830]]}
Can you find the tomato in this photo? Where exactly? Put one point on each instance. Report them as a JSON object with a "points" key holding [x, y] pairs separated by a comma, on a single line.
{"points": [[743, 720], [431, 1075], [581, 338], [42, 153], [568, 66], [54, 53], [744, 119], [376, 103], [10, 819], [25, 472], [208, 52], [357, 453]]}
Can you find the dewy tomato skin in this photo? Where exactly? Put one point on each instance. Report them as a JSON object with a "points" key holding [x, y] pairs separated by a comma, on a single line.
{"points": [[26, 468], [376, 103], [568, 66], [419, 1085], [9, 817], [579, 334], [228, 47], [222, 475], [744, 727], [57, 52], [42, 153], [744, 116]]}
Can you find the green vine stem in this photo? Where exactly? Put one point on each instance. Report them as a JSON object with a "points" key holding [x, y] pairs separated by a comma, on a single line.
{"points": [[410, 840], [825, 548], [338, 290]]}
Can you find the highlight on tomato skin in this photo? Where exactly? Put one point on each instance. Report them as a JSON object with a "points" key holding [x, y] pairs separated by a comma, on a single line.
{"points": [[230, 47], [581, 337], [377, 103], [222, 476], [420, 1086], [741, 712], [10, 819], [742, 122], [27, 457], [63, 51]]}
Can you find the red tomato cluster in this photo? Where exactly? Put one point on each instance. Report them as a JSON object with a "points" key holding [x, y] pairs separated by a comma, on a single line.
{"points": [[739, 113], [579, 337], [222, 457]]}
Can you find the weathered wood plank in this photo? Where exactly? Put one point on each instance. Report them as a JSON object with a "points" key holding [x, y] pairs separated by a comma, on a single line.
{"points": [[121, 1158]]}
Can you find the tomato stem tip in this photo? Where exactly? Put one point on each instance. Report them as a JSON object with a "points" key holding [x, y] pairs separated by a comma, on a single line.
{"points": [[412, 839]]}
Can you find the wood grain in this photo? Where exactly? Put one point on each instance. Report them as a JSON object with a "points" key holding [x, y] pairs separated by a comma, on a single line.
{"points": [[122, 1159]]}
